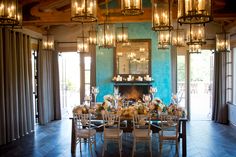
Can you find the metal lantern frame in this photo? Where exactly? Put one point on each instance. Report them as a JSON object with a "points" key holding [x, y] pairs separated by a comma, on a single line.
{"points": [[122, 34], [93, 36], [84, 11], [48, 42], [10, 13], [223, 42], [194, 11], [162, 16], [178, 37], [131, 7], [196, 35], [164, 39], [195, 48], [83, 42]]}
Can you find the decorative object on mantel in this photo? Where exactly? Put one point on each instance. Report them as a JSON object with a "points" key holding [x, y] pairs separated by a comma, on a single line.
{"points": [[130, 78], [147, 78], [117, 78]]}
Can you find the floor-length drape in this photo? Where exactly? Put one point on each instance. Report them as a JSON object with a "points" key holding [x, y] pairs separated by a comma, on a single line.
{"points": [[219, 113], [49, 91], [16, 103]]}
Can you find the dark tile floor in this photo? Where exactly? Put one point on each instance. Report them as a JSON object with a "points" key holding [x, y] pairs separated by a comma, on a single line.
{"points": [[204, 139]]}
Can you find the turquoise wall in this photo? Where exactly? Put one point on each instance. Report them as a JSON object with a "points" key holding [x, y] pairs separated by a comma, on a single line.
{"points": [[161, 64]]}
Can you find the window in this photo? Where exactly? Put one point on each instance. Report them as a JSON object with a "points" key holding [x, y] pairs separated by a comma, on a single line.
{"points": [[87, 73], [229, 77], [234, 73]]}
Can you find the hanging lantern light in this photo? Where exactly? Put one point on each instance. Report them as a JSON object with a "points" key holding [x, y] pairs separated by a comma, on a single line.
{"points": [[194, 48], [48, 41], [131, 7], [194, 11], [82, 43], [223, 42], [84, 10], [196, 35], [163, 39], [93, 36], [122, 34], [106, 32], [10, 13], [178, 37], [162, 16]]}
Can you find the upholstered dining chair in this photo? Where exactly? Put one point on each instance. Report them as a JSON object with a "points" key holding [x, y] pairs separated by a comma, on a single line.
{"points": [[112, 131], [169, 130], [85, 131], [141, 131]]}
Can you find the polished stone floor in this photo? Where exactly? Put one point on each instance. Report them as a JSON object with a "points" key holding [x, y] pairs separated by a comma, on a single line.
{"points": [[204, 139]]}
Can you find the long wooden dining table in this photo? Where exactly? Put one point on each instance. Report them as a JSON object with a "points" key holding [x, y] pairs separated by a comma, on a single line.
{"points": [[154, 124]]}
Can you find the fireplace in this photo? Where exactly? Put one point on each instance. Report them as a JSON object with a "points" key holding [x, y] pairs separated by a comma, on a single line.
{"points": [[133, 92]]}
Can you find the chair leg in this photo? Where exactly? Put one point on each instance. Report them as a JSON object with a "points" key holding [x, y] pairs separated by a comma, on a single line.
{"points": [[104, 147], [134, 147], [94, 142], [160, 145], [80, 145], [177, 148], [150, 147], [120, 146]]}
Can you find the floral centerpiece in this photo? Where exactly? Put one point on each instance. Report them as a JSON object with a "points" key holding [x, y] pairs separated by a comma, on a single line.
{"points": [[81, 109]]}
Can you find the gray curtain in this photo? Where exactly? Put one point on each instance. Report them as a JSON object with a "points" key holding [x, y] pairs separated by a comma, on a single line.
{"points": [[220, 112], [49, 89], [16, 102]]}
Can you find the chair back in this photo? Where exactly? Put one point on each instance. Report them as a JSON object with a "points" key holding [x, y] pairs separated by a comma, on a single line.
{"points": [[111, 121], [169, 123], [141, 122], [82, 121]]}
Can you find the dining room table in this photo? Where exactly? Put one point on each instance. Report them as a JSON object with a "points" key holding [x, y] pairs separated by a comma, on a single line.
{"points": [[97, 121]]}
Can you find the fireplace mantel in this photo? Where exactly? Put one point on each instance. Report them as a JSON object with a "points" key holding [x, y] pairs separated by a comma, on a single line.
{"points": [[121, 83]]}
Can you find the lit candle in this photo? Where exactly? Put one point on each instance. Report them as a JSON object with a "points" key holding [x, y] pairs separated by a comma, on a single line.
{"points": [[1, 10]]}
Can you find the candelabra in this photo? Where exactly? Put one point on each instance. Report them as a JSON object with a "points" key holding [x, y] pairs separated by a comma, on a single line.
{"points": [[95, 92], [152, 91]]}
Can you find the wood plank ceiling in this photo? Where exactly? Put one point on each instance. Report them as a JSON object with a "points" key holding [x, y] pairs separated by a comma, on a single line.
{"points": [[43, 13]]}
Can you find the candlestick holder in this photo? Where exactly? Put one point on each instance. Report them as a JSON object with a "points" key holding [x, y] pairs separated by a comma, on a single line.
{"points": [[95, 91]]}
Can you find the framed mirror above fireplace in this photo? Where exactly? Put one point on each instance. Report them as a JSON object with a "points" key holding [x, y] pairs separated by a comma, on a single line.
{"points": [[133, 58]]}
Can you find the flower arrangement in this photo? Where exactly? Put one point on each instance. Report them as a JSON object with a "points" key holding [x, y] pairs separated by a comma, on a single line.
{"points": [[173, 109], [80, 109]]}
